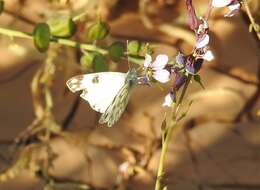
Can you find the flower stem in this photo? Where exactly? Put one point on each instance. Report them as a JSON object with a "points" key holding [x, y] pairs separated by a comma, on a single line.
{"points": [[252, 20], [89, 47], [166, 142]]}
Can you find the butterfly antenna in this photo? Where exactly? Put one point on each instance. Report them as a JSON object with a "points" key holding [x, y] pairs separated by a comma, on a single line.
{"points": [[127, 55]]}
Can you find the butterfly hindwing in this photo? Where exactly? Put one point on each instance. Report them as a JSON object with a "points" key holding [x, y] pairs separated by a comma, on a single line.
{"points": [[117, 107]]}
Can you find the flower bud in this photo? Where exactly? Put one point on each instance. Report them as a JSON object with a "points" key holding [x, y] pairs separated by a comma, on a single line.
{"points": [[62, 26], [116, 51], [133, 47], [41, 36], [99, 63], [86, 61], [97, 31]]}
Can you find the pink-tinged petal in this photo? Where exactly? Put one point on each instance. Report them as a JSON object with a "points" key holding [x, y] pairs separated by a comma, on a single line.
{"points": [[160, 62], [147, 61], [203, 26], [181, 59], [168, 100], [209, 56], [202, 41], [221, 3], [234, 8], [162, 75], [192, 17]]}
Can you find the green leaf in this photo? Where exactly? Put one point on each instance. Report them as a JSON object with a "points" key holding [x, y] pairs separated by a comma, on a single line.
{"points": [[41, 36], [116, 51], [62, 26], [197, 78], [87, 60], [133, 47], [97, 31], [2, 5], [99, 63], [146, 49]]}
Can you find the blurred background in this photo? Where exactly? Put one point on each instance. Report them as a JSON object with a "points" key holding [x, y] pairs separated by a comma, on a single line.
{"points": [[216, 146]]}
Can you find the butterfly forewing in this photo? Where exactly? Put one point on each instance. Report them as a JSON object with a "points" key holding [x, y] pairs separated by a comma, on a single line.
{"points": [[99, 89]]}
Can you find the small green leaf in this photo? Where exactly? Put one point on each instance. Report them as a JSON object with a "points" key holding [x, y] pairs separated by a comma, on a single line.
{"points": [[2, 5], [97, 31], [197, 78], [133, 47], [99, 63], [87, 60], [116, 50], [62, 26], [41, 36], [146, 49]]}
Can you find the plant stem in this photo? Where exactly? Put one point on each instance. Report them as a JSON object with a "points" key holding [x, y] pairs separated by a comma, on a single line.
{"points": [[165, 145], [252, 20], [160, 172], [89, 47], [15, 33]]}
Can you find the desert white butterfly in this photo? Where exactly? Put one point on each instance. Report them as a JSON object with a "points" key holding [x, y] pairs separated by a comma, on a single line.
{"points": [[106, 92]]}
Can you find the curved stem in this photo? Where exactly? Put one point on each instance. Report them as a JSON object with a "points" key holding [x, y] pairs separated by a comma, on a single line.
{"points": [[166, 142], [252, 20], [89, 47]]}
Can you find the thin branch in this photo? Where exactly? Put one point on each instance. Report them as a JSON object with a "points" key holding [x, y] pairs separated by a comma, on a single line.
{"points": [[88, 47], [166, 143], [254, 25]]}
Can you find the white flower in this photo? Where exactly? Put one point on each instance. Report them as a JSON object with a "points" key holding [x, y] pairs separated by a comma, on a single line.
{"points": [[209, 56], [202, 41], [233, 6], [221, 3], [169, 99], [159, 72]]}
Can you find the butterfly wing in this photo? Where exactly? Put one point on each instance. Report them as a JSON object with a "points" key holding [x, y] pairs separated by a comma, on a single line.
{"points": [[118, 105], [99, 89]]}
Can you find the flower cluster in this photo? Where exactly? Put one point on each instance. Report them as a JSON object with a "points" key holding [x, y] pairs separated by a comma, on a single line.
{"points": [[190, 64]]}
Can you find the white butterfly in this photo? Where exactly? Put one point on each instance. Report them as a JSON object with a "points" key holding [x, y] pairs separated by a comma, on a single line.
{"points": [[106, 92]]}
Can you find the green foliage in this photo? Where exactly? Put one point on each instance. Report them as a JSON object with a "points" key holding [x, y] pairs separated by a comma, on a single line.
{"points": [[116, 50], [41, 36], [133, 47], [2, 5], [62, 26], [197, 78], [99, 63], [145, 49], [93, 61], [86, 60], [97, 31]]}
